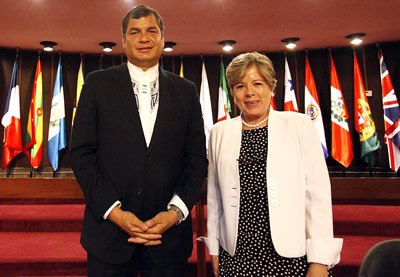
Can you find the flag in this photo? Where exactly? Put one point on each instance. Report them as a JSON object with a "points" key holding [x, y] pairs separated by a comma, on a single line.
{"points": [[342, 147], [312, 107], [273, 106], [11, 120], [290, 103], [391, 111], [100, 62], [57, 134], [181, 70], [205, 102], [364, 123], [34, 135], [79, 85], [224, 105]]}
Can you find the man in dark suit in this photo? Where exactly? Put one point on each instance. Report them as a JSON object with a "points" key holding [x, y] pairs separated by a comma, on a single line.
{"points": [[138, 153]]}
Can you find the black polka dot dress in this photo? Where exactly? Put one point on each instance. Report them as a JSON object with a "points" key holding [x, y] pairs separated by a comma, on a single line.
{"points": [[255, 254]]}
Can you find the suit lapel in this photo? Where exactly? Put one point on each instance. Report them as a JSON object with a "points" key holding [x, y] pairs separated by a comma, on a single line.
{"points": [[122, 81], [164, 108]]}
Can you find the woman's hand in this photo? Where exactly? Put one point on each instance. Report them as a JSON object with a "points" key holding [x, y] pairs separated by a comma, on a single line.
{"points": [[317, 270], [215, 265]]}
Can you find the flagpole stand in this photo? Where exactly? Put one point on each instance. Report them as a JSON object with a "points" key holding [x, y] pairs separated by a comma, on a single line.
{"points": [[30, 172], [54, 174], [371, 171]]}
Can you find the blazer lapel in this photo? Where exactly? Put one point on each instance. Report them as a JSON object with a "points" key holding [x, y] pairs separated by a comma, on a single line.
{"points": [[164, 107], [124, 90]]}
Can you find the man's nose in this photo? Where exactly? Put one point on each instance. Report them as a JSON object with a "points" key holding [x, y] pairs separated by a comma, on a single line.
{"points": [[144, 37]]}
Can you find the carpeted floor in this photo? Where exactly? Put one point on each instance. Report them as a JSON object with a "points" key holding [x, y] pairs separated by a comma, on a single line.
{"points": [[43, 240]]}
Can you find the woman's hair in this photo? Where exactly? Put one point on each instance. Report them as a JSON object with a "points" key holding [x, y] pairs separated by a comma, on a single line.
{"points": [[241, 63]]}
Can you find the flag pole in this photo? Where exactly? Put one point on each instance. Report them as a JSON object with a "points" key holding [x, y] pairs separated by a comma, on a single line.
{"points": [[371, 168], [83, 66], [52, 82], [101, 60], [173, 64], [297, 78], [365, 67], [379, 53]]}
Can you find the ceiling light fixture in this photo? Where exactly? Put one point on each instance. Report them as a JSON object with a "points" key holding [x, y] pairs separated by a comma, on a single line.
{"points": [[48, 45], [355, 39], [168, 46], [107, 46], [290, 42], [227, 45]]}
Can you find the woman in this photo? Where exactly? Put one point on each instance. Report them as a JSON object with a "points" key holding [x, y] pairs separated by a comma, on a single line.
{"points": [[269, 207]]}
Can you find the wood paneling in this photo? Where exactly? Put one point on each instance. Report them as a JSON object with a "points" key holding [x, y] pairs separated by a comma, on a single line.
{"points": [[345, 190], [55, 188], [374, 190]]}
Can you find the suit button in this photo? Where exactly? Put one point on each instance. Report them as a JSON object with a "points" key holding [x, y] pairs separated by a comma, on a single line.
{"points": [[140, 191], [272, 186], [274, 194], [149, 157]]}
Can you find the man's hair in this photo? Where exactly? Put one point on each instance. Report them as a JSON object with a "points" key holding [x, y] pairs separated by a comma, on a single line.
{"points": [[141, 11]]}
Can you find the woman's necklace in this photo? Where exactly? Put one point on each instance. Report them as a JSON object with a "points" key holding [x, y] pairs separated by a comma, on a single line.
{"points": [[254, 125]]}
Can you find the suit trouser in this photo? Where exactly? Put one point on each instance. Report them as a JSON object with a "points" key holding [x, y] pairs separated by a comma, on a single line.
{"points": [[138, 263]]}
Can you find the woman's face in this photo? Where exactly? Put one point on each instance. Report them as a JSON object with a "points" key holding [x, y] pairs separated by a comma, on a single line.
{"points": [[252, 95]]}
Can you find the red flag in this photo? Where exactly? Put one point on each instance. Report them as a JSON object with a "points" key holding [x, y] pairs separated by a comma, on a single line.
{"points": [[364, 123], [34, 134], [273, 106], [342, 147]]}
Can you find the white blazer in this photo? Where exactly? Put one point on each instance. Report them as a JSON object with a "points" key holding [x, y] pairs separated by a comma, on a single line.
{"points": [[299, 193]]}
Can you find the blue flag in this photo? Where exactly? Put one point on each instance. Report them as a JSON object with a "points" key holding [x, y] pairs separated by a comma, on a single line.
{"points": [[57, 134]]}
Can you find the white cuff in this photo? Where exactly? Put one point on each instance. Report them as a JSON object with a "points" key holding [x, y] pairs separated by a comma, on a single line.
{"points": [[324, 251], [117, 203], [212, 245], [177, 201]]}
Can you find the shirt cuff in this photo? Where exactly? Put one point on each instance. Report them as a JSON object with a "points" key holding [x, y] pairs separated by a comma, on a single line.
{"points": [[177, 201], [117, 203]]}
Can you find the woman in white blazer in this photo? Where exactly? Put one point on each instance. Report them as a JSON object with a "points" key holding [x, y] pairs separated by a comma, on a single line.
{"points": [[269, 210]]}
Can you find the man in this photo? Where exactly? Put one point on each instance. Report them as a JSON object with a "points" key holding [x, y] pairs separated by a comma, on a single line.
{"points": [[138, 153]]}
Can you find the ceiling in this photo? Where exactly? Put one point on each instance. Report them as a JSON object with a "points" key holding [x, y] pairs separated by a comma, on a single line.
{"points": [[198, 25]]}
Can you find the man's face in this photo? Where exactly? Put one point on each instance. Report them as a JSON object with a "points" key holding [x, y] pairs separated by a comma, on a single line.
{"points": [[143, 42]]}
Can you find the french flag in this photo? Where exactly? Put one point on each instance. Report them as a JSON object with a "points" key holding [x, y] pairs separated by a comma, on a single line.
{"points": [[11, 120]]}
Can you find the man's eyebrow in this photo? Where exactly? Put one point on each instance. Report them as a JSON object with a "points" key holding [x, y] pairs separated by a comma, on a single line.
{"points": [[139, 29], [133, 29]]}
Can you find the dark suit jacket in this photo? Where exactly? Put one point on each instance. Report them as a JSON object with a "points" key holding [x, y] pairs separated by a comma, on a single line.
{"points": [[111, 161]]}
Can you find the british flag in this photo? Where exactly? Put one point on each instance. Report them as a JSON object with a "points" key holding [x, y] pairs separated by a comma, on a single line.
{"points": [[391, 111]]}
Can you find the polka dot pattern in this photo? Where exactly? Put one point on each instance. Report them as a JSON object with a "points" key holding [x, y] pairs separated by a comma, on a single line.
{"points": [[255, 254]]}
